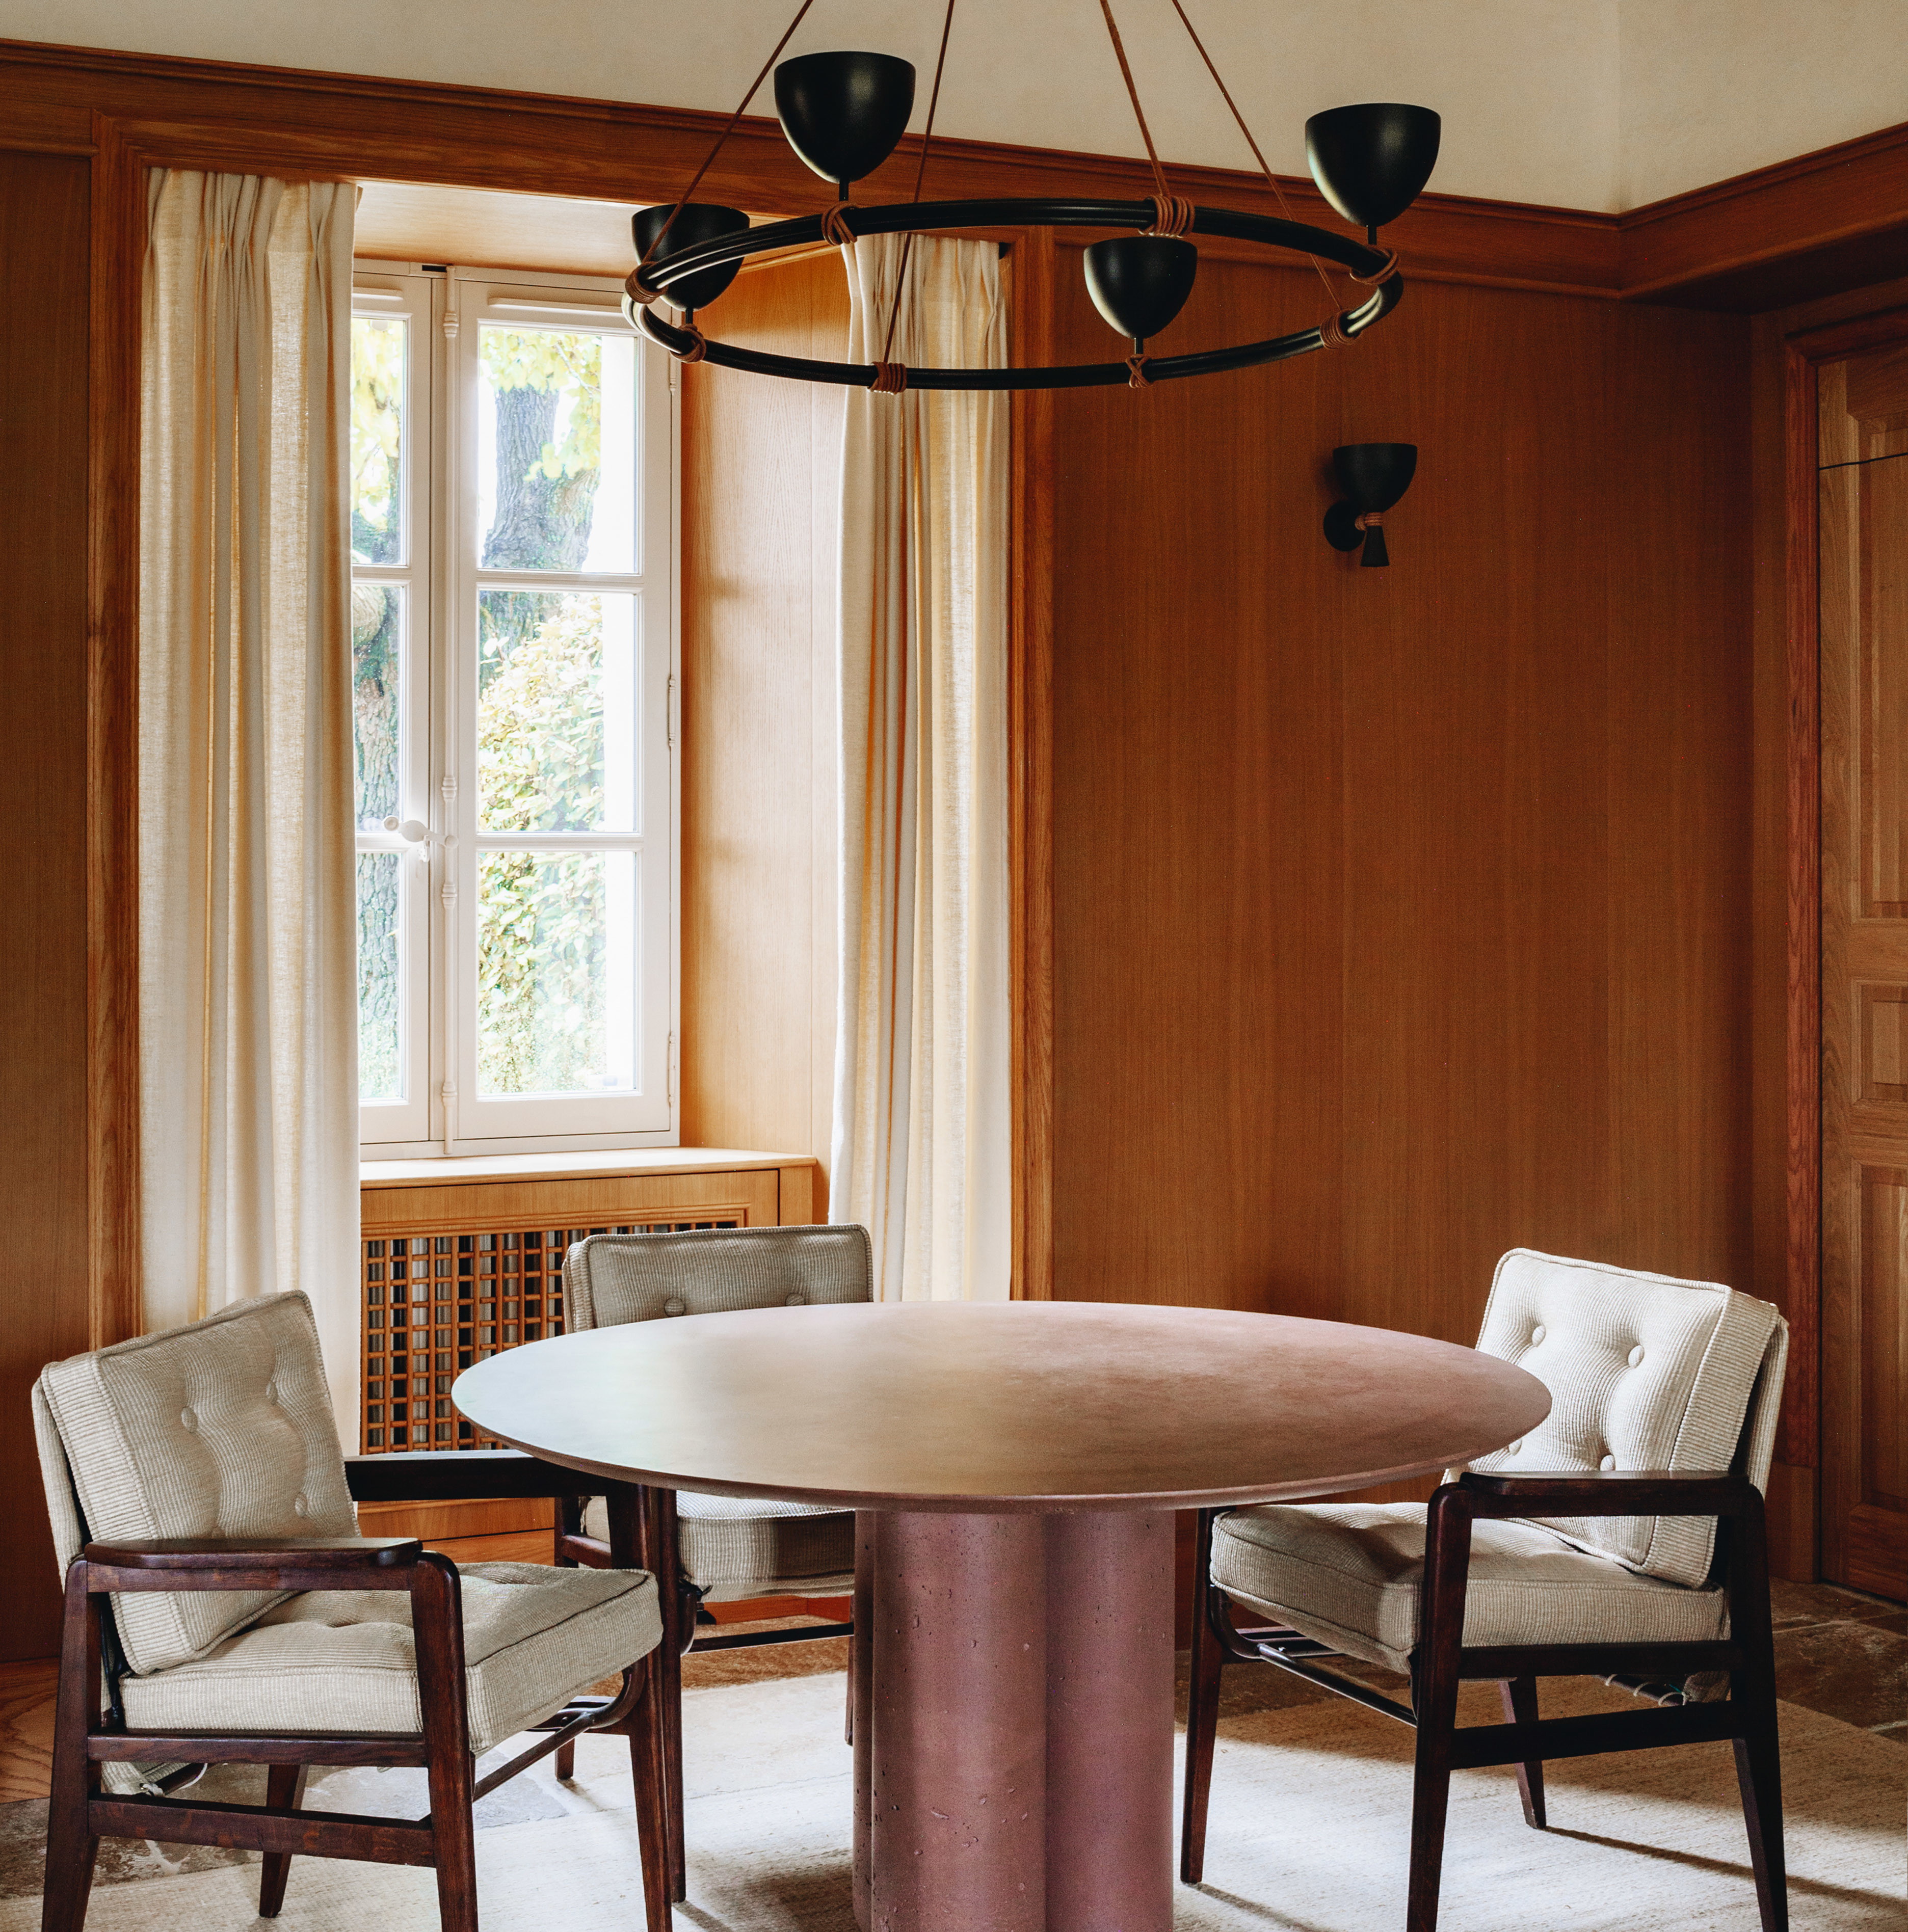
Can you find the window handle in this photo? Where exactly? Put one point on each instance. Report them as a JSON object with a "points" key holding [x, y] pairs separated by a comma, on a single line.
{"points": [[415, 832]]}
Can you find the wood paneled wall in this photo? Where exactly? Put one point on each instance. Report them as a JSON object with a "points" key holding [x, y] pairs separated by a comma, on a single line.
{"points": [[44, 239], [1401, 916], [761, 493]]}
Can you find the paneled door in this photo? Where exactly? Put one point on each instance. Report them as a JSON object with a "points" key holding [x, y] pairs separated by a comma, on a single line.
{"points": [[1863, 500]]}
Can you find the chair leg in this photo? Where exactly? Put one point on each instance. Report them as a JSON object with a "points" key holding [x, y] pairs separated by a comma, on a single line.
{"points": [[438, 1622], [1520, 1707], [566, 1761], [284, 1791], [1759, 1771], [71, 1849], [648, 1764], [1207, 1662], [669, 1727], [1435, 1697]]}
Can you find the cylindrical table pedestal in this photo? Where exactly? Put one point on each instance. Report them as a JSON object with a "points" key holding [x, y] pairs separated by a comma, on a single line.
{"points": [[1014, 1726]]}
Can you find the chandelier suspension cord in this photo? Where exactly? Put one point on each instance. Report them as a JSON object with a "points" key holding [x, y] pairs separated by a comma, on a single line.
{"points": [[689, 193], [1272, 180], [1174, 216], [920, 175]]}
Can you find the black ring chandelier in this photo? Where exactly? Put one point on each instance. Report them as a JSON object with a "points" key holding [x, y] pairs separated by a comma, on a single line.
{"points": [[845, 113]]}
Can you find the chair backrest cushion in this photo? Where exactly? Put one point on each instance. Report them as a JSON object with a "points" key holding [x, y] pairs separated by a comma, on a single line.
{"points": [[220, 1428], [611, 1279], [1646, 1372]]}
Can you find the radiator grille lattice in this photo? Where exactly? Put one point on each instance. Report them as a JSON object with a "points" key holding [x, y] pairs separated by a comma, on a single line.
{"points": [[435, 1302]]}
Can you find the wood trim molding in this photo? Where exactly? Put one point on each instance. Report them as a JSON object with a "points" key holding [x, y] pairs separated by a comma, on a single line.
{"points": [[205, 113], [1803, 352], [117, 247], [1801, 1417], [1829, 219], [1752, 242], [1030, 765]]}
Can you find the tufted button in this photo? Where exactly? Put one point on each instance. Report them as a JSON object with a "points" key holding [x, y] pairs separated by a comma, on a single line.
{"points": [[798, 1300], [188, 1421], [300, 1507], [673, 1306], [1537, 1334], [1608, 1462], [1637, 1356]]}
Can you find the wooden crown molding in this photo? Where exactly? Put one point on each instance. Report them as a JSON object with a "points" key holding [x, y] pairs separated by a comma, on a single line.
{"points": [[1823, 222], [217, 114], [1834, 219]]}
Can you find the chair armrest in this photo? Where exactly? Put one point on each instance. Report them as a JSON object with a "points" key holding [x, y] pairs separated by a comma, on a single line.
{"points": [[1608, 1492], [453, 1475], [248, 1563]]}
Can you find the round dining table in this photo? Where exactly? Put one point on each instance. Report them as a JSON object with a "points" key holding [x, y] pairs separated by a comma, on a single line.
{"points": [[1014, 1468]]}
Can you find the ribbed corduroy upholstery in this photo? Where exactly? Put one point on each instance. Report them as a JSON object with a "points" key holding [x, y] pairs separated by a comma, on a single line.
{"points": [[222, 1428], [736, 1547], [1645, 1372], [611, 1279], [1350, 1574], [732, 1548], [345, 1659]]}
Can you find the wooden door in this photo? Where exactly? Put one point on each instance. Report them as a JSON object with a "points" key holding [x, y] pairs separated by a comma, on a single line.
{"points": [[1863, 499]]}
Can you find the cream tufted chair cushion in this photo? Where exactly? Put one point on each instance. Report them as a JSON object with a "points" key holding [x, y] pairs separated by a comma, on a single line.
{"points": [[223, 1428], [732, 1548], [1644, 1373], [611, 1279]]}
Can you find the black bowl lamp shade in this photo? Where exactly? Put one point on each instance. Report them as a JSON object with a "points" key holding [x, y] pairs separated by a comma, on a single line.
{"points": [[1372, 161], [1139, 283], [845, 113], [1374, 476], [699, 221]]}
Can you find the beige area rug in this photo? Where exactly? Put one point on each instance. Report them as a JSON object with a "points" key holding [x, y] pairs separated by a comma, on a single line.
{"points": [[1309, 1834]]}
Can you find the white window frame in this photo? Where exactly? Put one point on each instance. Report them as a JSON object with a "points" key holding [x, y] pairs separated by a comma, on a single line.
{"points": [[444, 1112]]}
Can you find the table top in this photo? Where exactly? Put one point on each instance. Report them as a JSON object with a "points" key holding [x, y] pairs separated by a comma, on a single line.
{"points": [[1002, 1406]]}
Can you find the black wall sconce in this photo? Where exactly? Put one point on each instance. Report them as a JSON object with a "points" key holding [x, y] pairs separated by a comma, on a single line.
{"points": [[1373, 476]]}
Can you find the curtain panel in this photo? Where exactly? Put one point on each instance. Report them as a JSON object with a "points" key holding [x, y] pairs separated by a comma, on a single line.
{"points": [[248, 938], [920, 1153]]}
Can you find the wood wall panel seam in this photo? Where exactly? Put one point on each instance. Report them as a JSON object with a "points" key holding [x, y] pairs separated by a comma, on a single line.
{"points": [[1030, 755], [116, 246], [1801, 1425]]}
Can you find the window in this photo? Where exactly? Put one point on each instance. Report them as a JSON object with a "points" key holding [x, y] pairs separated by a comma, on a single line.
{"points": [[514, 640]]}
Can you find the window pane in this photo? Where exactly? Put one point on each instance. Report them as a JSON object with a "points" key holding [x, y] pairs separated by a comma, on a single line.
{"points": [[556, 975], [377, 661], [556, 711], [380, 1063], [556, 450], [379, 347]]}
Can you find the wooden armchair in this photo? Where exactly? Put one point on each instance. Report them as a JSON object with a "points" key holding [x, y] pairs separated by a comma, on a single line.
{"points": [[1654, 1579], [219, 1609], [701, 1548]]}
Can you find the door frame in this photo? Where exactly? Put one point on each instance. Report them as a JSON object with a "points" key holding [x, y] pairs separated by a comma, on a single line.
{"points": [[1804, 353]]}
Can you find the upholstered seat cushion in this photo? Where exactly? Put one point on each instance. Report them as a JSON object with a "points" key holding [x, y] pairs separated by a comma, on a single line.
{"points": [[1350, 1574], [346, 1660], [735, 1547]]}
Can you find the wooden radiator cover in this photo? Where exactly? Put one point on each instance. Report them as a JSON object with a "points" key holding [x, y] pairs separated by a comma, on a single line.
{"points": [[456, 1262]]}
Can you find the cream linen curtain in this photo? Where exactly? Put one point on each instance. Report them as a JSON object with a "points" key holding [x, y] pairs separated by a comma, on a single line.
{"points": [[247, 964], [921, 1155]]}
